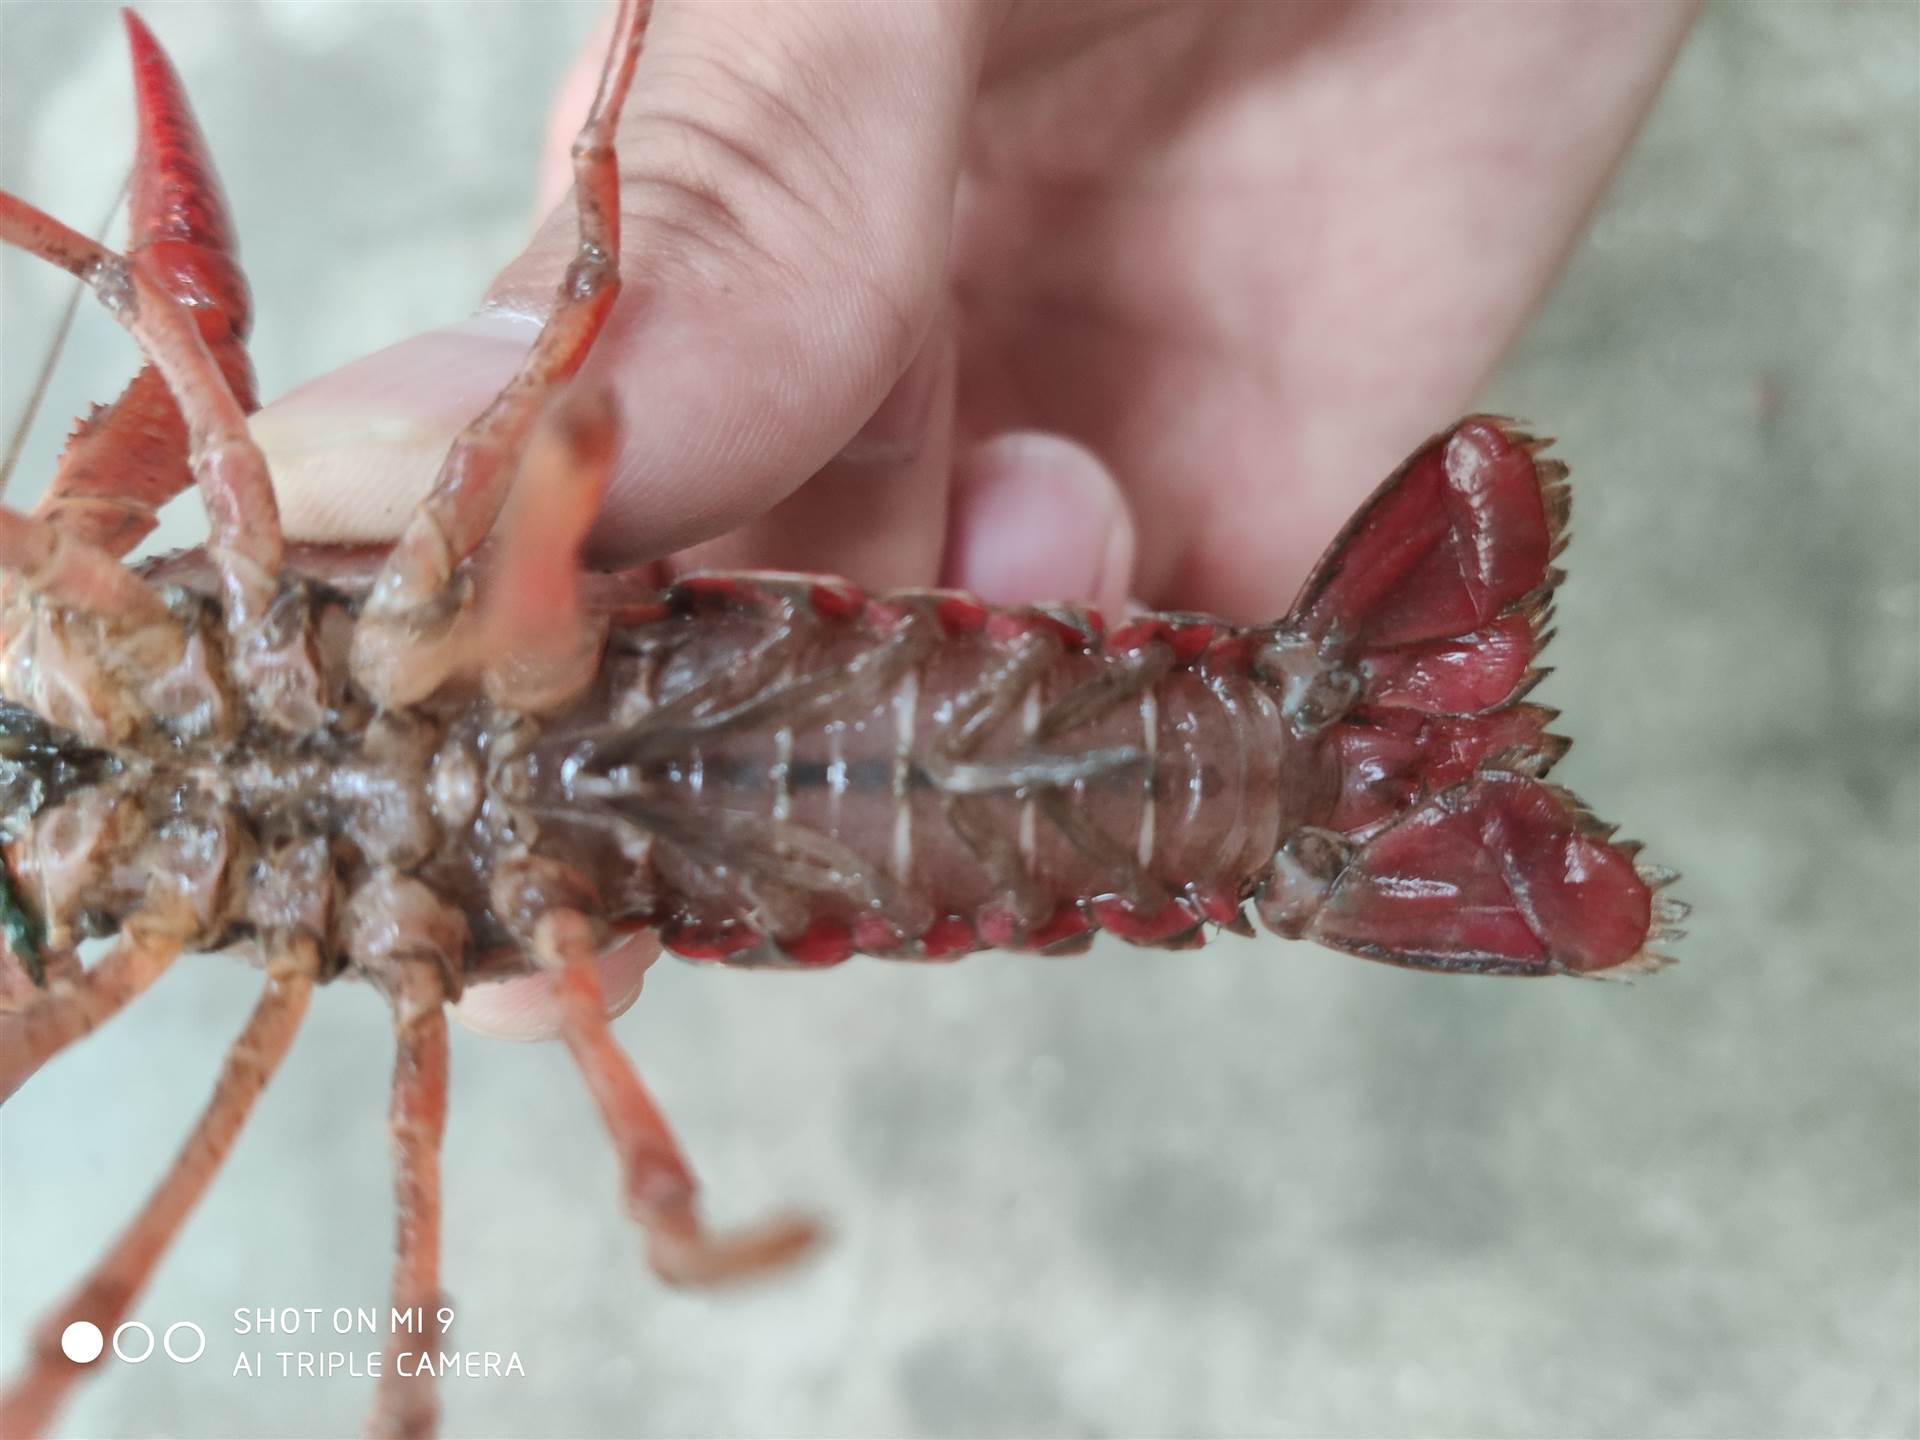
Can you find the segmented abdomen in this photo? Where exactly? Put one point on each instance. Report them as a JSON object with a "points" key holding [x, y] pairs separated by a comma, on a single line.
{"points": [[807, 772]]}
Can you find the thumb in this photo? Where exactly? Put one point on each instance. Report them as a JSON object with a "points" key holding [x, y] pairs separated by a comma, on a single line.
{"points": [[787, 179]]}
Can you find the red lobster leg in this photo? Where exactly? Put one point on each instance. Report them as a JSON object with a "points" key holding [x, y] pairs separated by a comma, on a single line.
{"points": [[129, 458], [1411, 645]]}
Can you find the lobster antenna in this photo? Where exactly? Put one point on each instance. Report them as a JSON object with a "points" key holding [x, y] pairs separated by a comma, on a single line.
{"points": [[17, 440]]}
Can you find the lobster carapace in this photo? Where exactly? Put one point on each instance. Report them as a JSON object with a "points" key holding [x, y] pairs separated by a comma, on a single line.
{"points": [[409, 768]]}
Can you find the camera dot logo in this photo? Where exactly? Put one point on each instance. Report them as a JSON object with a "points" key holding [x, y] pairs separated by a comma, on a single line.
{"points": [[190, 1335], [82, 1342]]}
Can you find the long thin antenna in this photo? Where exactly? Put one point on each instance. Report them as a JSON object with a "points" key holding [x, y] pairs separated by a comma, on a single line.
{"points": [[17, 441]]}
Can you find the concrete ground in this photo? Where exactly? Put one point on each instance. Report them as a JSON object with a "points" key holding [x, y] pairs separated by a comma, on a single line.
{"points": [[1258, 1190]]}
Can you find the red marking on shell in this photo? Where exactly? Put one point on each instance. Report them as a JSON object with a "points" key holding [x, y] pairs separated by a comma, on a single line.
{"points": [[1076, 631], [1134, 635], [1065, 924], [951, 936], [961, 614], [1189, 641], [835, 599], [710, 590], [696, 940], [825, 942], [1185, 638], [1230, 652], [1001, 928], [1215, 903], [1071, 945], [1144, 927], [1063, 625], [1091, 623]]}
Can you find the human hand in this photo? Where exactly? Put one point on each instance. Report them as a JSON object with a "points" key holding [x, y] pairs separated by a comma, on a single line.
{"points": [[1101, 301]]}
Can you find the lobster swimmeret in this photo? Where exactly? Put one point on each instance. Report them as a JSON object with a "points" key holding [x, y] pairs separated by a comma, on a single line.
{"points": [[399, 768]]}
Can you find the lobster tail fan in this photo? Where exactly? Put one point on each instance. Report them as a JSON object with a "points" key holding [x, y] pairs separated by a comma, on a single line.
{"points": [[1454, 852], [1459, 537], [1497, 875]]}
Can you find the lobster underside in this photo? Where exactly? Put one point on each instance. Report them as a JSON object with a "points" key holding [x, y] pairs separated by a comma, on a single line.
{"points": [[407, 768]]}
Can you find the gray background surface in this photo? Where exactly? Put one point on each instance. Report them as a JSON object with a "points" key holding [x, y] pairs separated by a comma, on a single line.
{"points": [[1261, 1189]]}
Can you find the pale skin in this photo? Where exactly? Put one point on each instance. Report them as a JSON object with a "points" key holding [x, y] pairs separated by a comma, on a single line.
{"points": [[1116, 302]]}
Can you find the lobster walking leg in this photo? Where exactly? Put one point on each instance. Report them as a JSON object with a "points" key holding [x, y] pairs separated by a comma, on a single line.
{"points": [[542, 648], [129, 458], [103, 1299], [245, 539], [32, 1036], [75, 574], [405, 1406], [403, 645], [24, 980], [660, 1189], [84, 642]]}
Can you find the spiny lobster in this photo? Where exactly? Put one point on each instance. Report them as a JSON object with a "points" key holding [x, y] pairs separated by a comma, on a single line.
{"points": [[399, 767]]}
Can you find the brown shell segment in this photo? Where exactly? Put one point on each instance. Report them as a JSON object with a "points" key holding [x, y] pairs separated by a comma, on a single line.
{"points": [[920, 774]]}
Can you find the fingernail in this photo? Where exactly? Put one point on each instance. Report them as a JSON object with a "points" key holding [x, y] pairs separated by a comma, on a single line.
{"points": [[897, 431], [1039, 517], [353, 451]]}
